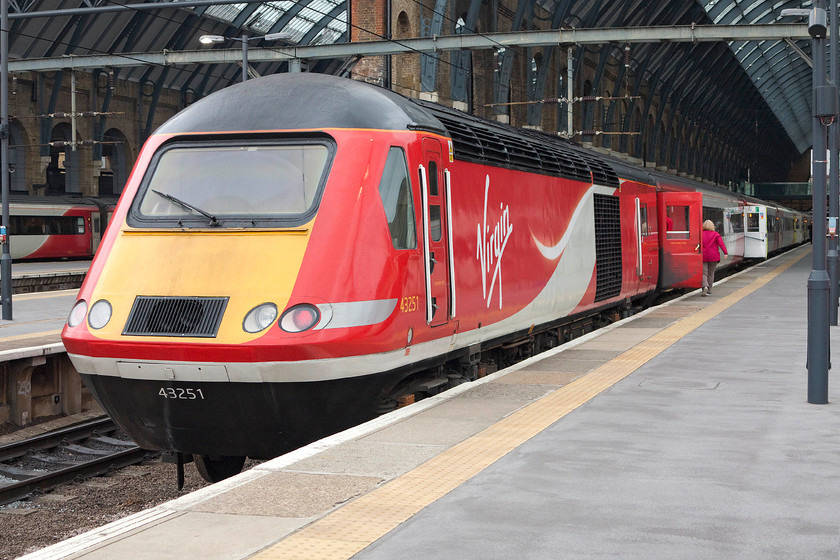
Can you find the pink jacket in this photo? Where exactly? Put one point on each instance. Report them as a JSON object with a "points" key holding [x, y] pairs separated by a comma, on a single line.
{"points": [[711, 240]]}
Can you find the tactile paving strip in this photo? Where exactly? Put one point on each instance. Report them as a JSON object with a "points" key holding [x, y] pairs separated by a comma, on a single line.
{"points": [[351, 528]]}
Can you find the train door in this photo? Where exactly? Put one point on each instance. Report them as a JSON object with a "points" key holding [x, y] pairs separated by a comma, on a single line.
{"points": [[95, 233], [436, 233], [680, 219], [755, 232], [645, 238]]}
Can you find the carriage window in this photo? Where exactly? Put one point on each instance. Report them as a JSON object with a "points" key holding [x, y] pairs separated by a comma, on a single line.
{"points": [[716, 215], [238, 184], [676, 222], [46, 225], [736, 219], [395, 191]]}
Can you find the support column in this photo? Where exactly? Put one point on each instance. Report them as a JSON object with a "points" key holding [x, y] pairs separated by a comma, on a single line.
{"points": [[370, 21], [19, 389]]}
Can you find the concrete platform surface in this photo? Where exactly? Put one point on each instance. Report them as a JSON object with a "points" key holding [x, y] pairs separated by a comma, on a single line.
{"points": [[689, 437]]}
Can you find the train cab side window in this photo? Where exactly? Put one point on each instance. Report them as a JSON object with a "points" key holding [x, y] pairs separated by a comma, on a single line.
{"points": [[643, 218], [395, 191], [434, 222], [433, 178]]}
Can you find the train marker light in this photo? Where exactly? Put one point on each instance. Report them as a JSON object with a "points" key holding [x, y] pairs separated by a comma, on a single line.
{"points": [[300, 318], [260, 318], [100, 314], [77, 314]]}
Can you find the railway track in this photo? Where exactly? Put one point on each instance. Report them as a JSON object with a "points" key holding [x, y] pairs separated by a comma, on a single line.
{"points": [[38, 464]]}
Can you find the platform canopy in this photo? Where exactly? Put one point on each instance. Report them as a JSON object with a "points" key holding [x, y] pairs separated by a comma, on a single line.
{"points": [[760, 87]]}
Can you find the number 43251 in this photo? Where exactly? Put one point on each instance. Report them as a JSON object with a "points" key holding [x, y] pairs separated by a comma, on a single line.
{"points": [[181, 393]]}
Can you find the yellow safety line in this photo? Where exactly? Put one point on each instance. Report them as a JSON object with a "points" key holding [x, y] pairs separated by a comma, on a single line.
{"points": [[30, 335], [44, 295], [351, 528]]}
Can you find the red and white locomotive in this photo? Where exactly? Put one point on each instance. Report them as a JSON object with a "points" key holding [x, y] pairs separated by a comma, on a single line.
{"points": [[290, 251]]}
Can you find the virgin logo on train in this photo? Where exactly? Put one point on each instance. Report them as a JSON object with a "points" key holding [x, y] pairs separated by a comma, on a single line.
{"points": [[490, 249]]}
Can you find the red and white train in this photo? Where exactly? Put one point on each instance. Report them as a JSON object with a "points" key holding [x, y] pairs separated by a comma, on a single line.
{"points": [[50, 228], [291, 251]]}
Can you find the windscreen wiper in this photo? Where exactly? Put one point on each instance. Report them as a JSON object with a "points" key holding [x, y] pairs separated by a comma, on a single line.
{"points": [[188, 206]]}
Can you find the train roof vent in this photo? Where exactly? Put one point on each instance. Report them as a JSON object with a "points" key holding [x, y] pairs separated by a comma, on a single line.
{"points": [[464, 140], [493, 149], [489, 143], [570, 164], [524, 154], [176, 316], [602, 173]]}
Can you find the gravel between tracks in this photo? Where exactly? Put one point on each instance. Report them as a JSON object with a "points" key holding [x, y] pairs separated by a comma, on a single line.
{"points": [[30, 525]]}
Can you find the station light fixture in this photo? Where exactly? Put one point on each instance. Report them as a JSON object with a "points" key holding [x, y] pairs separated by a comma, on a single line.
{"points": [[245, 39]]}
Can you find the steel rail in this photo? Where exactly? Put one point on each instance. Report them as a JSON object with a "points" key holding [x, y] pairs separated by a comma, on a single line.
{"points": [[88, 469], [55, 438]]}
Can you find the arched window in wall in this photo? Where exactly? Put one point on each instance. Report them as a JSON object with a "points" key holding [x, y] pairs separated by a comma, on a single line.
{"points": [[650, 141], [535, 109], [406, 73], [662, 152], [675, 147], [115, 165], [618, 126], [62, 173], [536, 62], [17, 159]]}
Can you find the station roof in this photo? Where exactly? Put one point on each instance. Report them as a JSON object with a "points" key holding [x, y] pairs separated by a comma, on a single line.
{"points": [[761, 87]]}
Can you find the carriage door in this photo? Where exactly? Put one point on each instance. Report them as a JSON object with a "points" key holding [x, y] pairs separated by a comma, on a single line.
{"points": [[680, 225], [435, 234], [95, 233], [755, 232]]}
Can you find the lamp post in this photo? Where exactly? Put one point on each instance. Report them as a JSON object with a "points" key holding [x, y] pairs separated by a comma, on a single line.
{"points": [[825, 109], [6, 259], [244, 39]]}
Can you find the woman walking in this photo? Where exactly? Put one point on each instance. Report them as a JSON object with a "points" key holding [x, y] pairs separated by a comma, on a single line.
{"points": [[711, 241]]}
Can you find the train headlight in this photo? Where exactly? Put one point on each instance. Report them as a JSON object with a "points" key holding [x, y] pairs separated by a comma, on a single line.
{"points": [[77, 314], [300, 318], [100, 314], [259, 318]]}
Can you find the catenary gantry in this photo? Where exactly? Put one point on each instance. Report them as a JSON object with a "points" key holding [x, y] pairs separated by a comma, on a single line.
{"points": [[752, 94]]}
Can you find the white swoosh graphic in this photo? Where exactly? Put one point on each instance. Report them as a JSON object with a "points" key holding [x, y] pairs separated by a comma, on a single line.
{"points": [[553, 253]]}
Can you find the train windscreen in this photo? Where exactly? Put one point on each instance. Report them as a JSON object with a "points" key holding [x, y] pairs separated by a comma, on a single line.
{"points": [[232, 184]]}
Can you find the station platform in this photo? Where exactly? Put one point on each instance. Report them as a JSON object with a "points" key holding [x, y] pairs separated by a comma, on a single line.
{"points": [[38, 315], [682, 432]]}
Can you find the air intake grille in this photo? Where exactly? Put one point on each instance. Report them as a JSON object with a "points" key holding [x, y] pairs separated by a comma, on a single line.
{"points": [[176, 316], [607, 247]]}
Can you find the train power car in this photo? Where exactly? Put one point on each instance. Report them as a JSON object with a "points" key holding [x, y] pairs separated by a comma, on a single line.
{"points": [[292, 251]]}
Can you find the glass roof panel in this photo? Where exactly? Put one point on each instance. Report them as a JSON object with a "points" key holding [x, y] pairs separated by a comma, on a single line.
{"points": [[269, 13]]}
